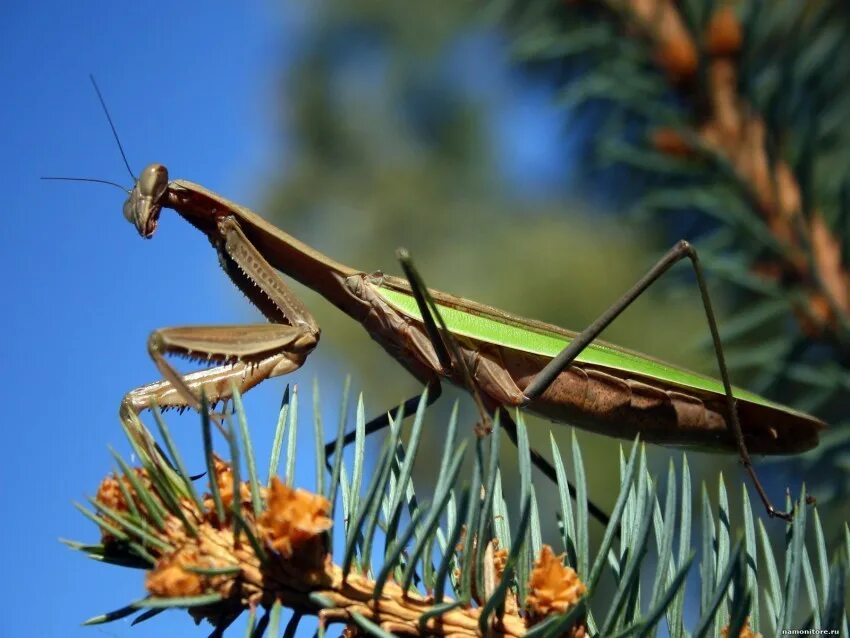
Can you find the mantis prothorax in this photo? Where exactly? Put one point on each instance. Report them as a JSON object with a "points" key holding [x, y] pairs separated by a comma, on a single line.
{"points": [[504, 359]]}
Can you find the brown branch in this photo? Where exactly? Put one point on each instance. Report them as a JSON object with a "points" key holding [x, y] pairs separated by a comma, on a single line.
{"points": [[727, 125], [295, 567]]}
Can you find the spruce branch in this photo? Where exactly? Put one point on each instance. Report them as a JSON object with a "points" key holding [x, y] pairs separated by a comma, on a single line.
{"points": [[723, 125], [245, 545]]}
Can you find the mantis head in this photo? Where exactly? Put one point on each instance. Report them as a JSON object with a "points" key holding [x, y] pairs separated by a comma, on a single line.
{"points": [[144, 204]]}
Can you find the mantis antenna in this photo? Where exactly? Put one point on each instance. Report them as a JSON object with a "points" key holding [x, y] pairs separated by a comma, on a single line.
{"points": [[112, 126], [117, 141], [86, 179]]}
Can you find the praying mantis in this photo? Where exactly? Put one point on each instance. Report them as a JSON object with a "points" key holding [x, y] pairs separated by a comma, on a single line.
{"points": [[503, 359]]}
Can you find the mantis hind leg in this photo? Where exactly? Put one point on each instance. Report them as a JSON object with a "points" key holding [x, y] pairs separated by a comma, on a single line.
{"points": [[681, 250]]}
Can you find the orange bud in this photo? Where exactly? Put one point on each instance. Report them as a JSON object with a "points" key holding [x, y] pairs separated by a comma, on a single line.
{"points": [[169, 579], [293, 518], [678, 57], [746, 632], [553, 587], [670, 142], [723, 35]]}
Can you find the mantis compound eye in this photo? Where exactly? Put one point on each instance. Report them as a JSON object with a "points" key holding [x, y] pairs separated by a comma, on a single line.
{"points": [[153, 181]]}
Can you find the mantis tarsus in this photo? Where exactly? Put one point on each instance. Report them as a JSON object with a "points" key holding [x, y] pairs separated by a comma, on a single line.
{"points": [[504, 359]]}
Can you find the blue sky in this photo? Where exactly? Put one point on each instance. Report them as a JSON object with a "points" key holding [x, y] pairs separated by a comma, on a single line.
{"points": [[187, 89]]}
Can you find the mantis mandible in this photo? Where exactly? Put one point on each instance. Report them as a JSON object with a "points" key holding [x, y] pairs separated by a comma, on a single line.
{"points": [[505, 360]]}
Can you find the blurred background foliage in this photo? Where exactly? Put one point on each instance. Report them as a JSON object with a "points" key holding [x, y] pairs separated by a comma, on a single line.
{"points": [[539, 156]]}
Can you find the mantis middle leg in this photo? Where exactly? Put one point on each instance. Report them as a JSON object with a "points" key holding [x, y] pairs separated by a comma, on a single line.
{"points": [[443, 342]]}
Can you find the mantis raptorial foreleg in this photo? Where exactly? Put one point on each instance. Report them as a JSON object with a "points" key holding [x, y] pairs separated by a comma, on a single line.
{"points": [[248, 354], [258, 352]]}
